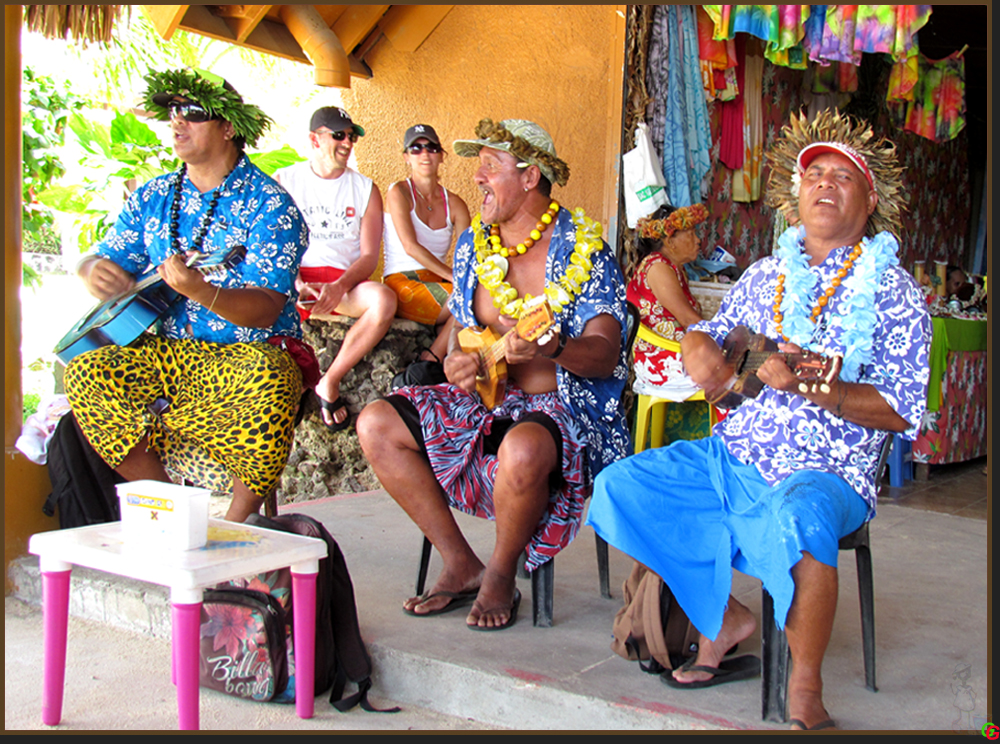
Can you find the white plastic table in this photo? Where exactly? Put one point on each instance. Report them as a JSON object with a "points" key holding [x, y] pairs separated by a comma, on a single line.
{"points": [[233, 550]]}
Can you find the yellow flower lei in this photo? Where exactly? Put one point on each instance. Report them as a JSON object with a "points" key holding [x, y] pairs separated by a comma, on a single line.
{"points": [[492, 269]]}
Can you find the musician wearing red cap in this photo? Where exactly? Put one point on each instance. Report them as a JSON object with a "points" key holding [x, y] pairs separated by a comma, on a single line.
{"points": [[790, 471]]}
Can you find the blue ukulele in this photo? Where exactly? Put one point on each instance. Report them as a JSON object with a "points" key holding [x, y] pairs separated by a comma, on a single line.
{"points": [[123, 319]]}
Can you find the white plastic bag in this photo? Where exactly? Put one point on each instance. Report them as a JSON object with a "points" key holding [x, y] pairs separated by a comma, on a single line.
{"points": [[642, 178], [39, 428]]}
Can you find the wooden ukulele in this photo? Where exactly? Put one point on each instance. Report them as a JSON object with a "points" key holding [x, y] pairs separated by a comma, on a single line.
{"points": [[491, 381], [123, 319], [745, 352]]}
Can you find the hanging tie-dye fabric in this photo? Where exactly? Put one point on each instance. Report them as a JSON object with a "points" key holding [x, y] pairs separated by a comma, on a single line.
{"points": [[840, 33], [781, 26], [937, 108], [718, 60]]}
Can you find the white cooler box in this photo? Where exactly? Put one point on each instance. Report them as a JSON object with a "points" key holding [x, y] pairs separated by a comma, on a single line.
{"points": [[163, 515]]}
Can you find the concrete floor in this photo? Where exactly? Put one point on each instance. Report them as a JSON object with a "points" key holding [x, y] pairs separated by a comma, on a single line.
{"points": [[930, 554]]}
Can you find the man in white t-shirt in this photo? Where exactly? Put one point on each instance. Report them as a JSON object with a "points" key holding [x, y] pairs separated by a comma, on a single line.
{"points": [[344, 212]]}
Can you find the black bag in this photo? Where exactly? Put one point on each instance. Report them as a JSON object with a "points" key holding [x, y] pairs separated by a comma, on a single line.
{"points": [[83, 485], [651, 626], [421, 372], [341, 656]]}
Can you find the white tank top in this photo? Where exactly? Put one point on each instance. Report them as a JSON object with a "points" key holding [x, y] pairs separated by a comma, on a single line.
{"points": [[332, 208], [436, 241]]}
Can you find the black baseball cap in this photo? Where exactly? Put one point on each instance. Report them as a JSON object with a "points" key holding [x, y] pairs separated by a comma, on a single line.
{"points": [[418, 131], [335, 119]]}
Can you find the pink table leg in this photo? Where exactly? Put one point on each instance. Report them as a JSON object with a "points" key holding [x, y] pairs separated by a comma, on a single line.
{"points": [[55, 619], [186, 631], [304, 621]]}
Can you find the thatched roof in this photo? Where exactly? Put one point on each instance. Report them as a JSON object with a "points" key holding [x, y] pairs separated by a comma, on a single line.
{"points": [[82, 23]]}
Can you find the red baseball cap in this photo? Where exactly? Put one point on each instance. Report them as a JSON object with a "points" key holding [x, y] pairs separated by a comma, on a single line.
{"points": [[811, 152]]}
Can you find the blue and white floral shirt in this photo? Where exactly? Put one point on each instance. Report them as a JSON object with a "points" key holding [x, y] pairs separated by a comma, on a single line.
{"points": [[595, 402], [780, 432], [253, 211]]}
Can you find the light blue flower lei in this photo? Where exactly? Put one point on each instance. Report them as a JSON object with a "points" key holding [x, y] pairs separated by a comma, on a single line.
{"points": [[854, 311]]}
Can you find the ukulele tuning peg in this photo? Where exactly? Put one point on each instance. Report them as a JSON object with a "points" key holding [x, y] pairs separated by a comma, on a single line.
{"points": [[803, 388], [824, 388]]}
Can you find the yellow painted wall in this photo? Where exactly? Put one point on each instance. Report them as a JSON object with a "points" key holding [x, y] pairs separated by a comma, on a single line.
{"points": [[547, 63]]}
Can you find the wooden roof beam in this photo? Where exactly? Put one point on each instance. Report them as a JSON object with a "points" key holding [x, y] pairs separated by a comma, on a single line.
{"points": [[407, 26], [243, 19], [357, 22], [165, 18]]}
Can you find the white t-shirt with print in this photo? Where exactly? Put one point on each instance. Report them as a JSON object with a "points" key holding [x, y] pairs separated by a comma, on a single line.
{"points": [[332, 208]]}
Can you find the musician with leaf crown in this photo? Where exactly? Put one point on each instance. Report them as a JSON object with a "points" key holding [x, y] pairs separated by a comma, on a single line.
{"points": [[523, 455], [207, 396], [790, 471]]}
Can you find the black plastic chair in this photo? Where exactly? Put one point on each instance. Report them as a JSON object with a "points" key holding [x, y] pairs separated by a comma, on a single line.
{"points": [[543, 577], [774, 642]]}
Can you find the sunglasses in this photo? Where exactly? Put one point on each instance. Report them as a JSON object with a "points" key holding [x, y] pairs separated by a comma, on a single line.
{"points": [[418, 147], [339, 136], [191, 112]]}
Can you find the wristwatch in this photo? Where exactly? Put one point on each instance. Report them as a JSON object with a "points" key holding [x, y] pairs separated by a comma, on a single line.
{"points": [[559, 347]]}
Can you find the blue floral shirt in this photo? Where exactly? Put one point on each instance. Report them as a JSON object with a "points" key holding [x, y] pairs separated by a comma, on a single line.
{"points": [[253, 211], [595, 402], [780, 432]]}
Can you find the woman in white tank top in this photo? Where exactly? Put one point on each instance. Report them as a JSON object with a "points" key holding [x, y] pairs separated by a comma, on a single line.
{"points": [[421, 220]]}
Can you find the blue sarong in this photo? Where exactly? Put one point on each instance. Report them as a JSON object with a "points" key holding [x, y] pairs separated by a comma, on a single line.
{"points": [[691, 512]]}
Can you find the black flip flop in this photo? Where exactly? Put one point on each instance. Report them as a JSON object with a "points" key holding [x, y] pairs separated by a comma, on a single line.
{"points": [[458, 599], [332, 407], [729, 670], [829, 723], [510, 621]]}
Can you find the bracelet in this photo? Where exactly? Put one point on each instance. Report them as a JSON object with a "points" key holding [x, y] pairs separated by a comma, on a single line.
{"points": [[217, 290], [559, 347]]}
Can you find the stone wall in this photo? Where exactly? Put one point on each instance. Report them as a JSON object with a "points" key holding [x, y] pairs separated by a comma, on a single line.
{"points": [[324, 463]]}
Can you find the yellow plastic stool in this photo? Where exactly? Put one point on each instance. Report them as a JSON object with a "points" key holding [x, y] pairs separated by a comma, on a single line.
{"points": [[651, 410]]}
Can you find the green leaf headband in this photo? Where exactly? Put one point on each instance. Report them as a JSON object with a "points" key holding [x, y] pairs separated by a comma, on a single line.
{"points": [[210, 92]]}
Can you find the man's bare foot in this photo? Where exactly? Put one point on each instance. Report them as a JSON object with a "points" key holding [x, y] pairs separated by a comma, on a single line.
{"points": [[494, 605], [738, 624], [447, 589], [805, 707]]}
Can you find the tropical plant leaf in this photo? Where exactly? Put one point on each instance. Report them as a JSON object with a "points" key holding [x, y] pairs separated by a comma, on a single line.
{"points": [[271, 161]]}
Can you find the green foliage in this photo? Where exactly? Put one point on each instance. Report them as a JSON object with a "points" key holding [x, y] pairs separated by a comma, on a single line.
{"points": [[30, 277], [118, 158], [31, 401], [45, 108], [271, 161]]}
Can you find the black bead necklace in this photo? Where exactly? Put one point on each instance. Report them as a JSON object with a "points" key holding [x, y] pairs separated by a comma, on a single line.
{"points": [[175, 212]]}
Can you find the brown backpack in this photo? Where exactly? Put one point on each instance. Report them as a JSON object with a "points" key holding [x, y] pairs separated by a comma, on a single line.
{"points": [[651, 626]]}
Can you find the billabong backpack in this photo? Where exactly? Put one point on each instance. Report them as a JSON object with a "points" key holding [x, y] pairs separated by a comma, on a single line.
{"points": [[247, 645]]}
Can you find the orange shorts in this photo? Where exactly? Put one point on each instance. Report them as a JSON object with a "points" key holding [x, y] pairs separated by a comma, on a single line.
{"points": [[422, 294]]}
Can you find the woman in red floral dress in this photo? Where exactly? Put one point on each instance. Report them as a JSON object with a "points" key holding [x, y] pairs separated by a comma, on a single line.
{"points": [[659, 289]]}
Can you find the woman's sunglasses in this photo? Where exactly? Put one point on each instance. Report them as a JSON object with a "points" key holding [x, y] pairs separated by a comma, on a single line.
{"points": [[339, 136], [418, 147], [191, 112]]}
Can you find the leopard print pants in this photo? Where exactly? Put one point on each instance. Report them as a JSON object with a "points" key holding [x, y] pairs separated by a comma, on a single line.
{"points": [[211, 411]]}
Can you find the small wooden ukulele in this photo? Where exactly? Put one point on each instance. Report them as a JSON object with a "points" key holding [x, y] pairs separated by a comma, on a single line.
{"points": [[123, 319], [745, 352], [491, 381]]}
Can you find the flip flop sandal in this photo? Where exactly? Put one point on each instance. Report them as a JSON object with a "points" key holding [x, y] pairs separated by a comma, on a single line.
{"points": [[829, 723], [332, 407], [458, 599], [729, 670]]}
